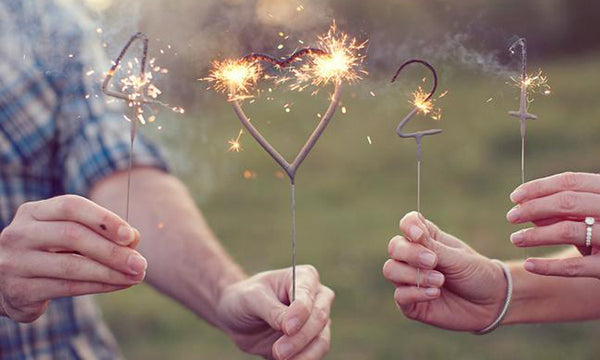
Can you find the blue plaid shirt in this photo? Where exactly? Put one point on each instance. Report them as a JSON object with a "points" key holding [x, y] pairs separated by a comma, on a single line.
{"points": [[58, 135]]}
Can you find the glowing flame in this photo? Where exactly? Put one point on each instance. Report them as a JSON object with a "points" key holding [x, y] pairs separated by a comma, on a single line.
{"points": [[234, 144], [236, 78], [340, 63], [426, 106], [533, 83]]}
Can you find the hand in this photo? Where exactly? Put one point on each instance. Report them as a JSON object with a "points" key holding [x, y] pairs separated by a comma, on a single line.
{"points": [[257, 315], [64, 246], [557, 205], [459, 290]]}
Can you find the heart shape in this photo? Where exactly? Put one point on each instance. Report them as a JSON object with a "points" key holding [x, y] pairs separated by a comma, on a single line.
{"points": [[289, 168], [418, 136]]}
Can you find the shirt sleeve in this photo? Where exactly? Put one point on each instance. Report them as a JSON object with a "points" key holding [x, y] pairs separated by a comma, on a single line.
{"points": [[93, 136]]}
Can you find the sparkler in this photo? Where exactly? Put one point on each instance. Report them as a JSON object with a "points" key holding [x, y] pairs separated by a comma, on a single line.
{"points": [[423, 104], [334, 61], [137, 91], [527, 84]]}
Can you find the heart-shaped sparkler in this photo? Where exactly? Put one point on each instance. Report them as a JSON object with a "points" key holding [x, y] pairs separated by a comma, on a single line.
{"points": [[289, 168], [338, 63]]}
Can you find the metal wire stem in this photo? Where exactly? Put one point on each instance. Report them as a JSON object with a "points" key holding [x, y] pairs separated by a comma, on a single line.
{"points": [[293, 241]]}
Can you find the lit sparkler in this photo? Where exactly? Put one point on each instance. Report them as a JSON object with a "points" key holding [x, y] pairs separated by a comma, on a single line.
{"points": [[528, 84], [423, 103], [335, 61], [137, 91]]}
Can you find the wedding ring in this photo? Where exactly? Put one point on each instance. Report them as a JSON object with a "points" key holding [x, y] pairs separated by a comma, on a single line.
{"points": [[418, 278], [589, 222]]}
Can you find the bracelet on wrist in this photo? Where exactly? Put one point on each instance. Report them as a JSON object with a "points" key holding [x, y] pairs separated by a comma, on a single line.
{"points": [[509, 291]]}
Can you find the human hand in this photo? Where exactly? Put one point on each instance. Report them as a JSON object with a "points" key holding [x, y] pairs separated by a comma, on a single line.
{"points": [[60, 247], [459, 288], [557, 206], [257, 314]]}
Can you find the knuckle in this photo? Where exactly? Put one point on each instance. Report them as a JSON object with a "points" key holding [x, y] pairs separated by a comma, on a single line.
{"points": [[322, 315], [23, 209], [9, 236], [69, 205], [567, 201], [329, 292], [311, 271], [17, 293], [572, 268], [568, 231], [69, 268], [569, 180], [72, 232]]}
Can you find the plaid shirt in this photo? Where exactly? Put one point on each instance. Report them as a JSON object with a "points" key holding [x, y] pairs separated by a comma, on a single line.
{"points": [[57, 136]]}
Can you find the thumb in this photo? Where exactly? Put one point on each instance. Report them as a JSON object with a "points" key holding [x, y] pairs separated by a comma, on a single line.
{"points": [[267, 307], [417, 229]]}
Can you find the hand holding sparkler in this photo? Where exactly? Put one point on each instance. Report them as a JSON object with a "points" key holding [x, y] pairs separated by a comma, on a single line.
{"points": [[424, 105]]}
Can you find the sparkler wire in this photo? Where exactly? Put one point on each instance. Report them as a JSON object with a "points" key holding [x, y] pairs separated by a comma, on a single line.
{"points": [[130, 98], [522, 113], [418, 136], [291, 168]]}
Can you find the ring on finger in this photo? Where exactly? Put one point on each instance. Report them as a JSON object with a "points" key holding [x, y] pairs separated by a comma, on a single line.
{"points": [[589, 222], [418, 278]]}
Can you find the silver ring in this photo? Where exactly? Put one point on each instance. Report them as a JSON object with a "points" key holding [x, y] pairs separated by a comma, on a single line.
{"points": [[589, 222], [418, 278]]}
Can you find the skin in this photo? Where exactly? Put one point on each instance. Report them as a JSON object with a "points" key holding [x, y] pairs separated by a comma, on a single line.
{"points": [[473, 289], [181, 256]]}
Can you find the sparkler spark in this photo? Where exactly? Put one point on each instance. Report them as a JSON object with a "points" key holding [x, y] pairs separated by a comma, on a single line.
{"points": [[234, 144], [236, 78], [341, 61]]}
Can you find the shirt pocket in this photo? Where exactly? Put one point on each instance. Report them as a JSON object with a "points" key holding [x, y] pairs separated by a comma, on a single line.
{"points": [[27, 107]]}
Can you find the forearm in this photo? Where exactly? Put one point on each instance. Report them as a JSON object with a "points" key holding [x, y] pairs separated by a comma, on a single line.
{"points": [[540, 299], [185, 259]]}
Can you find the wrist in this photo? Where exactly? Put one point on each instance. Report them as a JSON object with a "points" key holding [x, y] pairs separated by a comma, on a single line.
{"points": [[502, 312]]}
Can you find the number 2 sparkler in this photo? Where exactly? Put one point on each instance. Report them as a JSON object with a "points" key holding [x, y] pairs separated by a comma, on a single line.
{"points": [[423, 104], [336, 60]]}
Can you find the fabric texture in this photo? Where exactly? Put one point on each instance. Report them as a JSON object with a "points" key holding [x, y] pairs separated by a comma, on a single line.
{"points": [[58, 135]]}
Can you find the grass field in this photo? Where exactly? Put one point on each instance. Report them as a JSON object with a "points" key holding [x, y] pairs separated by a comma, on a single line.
{"points": [[351, 195]]}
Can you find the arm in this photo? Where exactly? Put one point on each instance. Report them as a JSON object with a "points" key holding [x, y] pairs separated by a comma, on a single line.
{"points": [[540, 299], [187, 263], [472, 289], [185, 259]]}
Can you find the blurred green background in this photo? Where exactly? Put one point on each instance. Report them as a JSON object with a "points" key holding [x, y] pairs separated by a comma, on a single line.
{"points": [[351, 193]]}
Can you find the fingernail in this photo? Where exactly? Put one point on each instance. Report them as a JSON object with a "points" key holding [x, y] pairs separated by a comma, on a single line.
{"points": [[137, 264], [517, 237], [415, 232], [513, 214], [517, 195], [529, 266], [432, 292], [284, 350], [292, 325], [435, 278], [427, 259], [125, 235]]}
